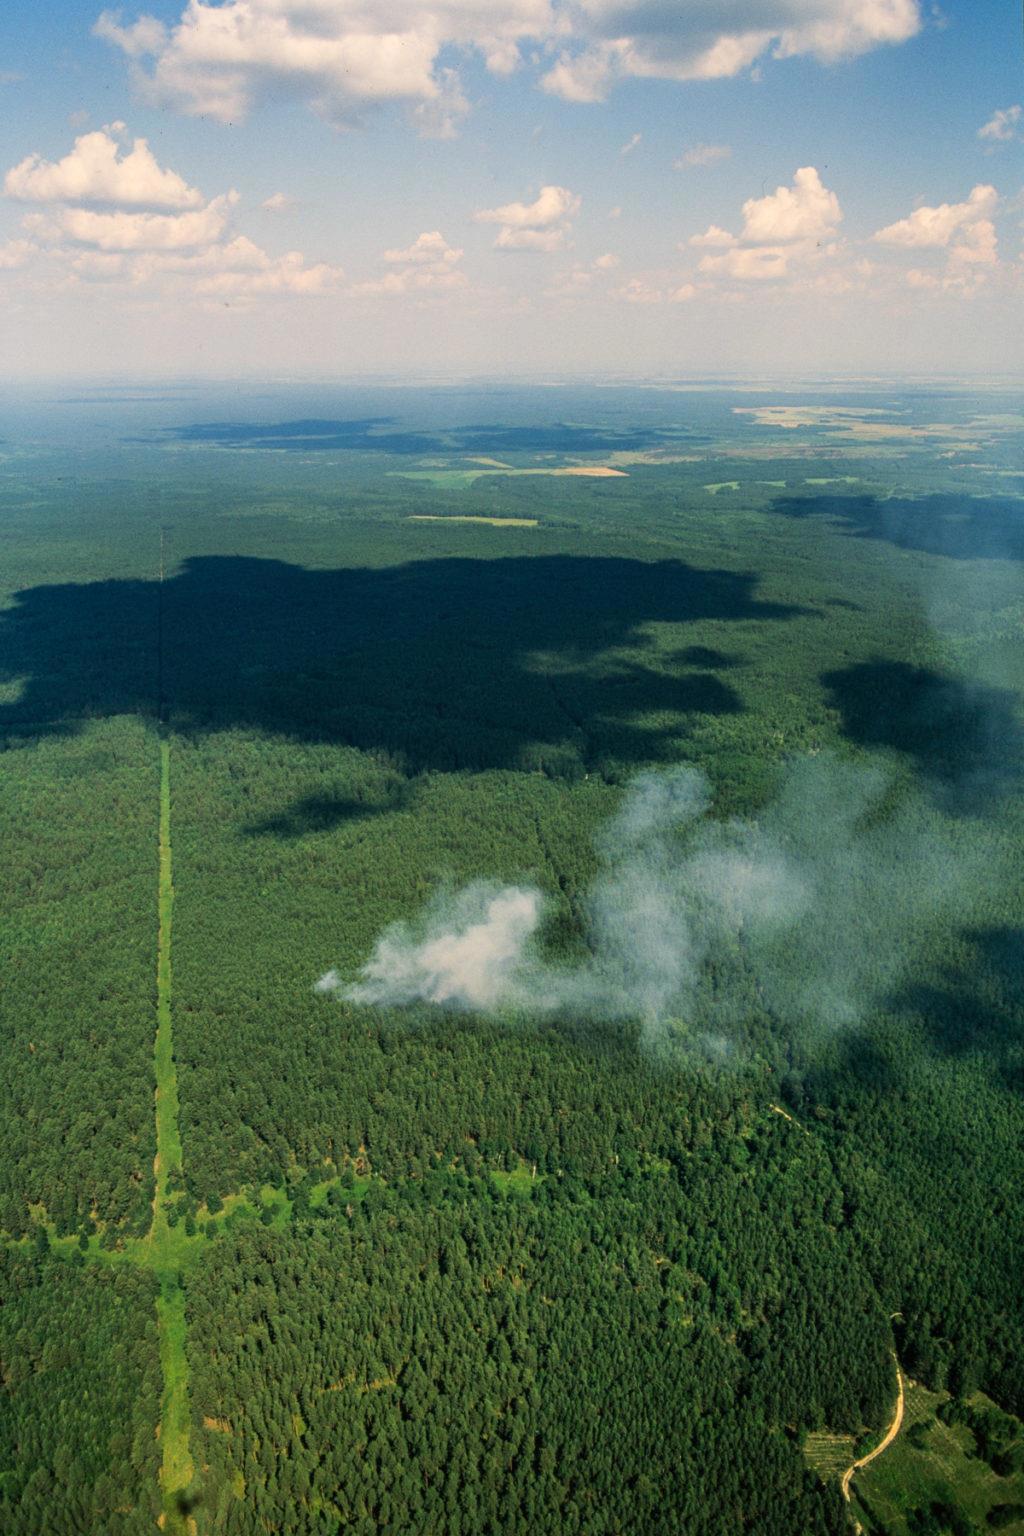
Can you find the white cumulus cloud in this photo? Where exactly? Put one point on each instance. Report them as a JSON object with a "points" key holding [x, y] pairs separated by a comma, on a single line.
{"points": [[805, 211], [99, 170], [615, 39], [936, 226], [782, 233], [117, 217], [342, 56], [128, 231], [429, 264], [427, 249], [713, 236], [542, 225], [964, 232], [751, 264], [551, 205]]}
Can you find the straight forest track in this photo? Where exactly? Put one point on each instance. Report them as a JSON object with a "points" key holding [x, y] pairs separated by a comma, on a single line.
{"points": [[884, 1443], [177, 1471], [163, 1254]]}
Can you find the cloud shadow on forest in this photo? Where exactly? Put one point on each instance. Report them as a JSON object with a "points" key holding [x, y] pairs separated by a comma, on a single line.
{"points": [[320, 813], [537, 663], [957, 525], [381, 434], [963, 737], [974, 1006]]}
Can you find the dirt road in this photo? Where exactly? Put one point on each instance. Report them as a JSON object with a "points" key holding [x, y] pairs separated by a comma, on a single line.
{"points": [[883, 1444]]}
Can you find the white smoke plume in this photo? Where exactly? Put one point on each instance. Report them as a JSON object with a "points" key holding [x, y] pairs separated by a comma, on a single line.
{"points": [[811, 911], [469, 953]]}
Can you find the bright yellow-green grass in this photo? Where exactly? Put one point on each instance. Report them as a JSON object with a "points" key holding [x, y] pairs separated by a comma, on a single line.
{"points": [[944, 1470], [521, 1181]]}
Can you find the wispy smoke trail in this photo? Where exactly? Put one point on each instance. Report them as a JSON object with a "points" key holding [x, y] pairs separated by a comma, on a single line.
{"points": [[811, 910]]}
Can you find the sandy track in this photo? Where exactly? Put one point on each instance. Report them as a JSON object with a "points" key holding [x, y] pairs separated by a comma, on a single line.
{"points": [[883, 1444]]}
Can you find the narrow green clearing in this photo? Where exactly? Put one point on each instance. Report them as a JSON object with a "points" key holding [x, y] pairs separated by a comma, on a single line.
{"points": [[177, 1470], [162, 1244], [168, 1139]]}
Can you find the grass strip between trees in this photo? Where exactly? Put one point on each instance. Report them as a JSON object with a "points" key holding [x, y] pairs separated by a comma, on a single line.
{"points": [[177, 1471]]}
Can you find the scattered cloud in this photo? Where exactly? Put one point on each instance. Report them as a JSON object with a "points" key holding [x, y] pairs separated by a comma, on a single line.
{"points": [[936, 226], [637, 290], [429, 264], [114, 215], [551, 206], [543, 225], [782, 232], [234, 269], [430, 249], [571, 284], [630, 145], [805, 211], [751, 264], [219, 60], [127, 231], [644, 289], [713, 236], [100, 170], [965, 231], [702, 154], [544, 240], [277, 202], [439, 116], [616, 39], [1003, 126], [581, 278], [15, 253], [977, 246], [248, 272]]}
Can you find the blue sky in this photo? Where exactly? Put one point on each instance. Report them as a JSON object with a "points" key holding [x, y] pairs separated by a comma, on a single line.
{"points": [[461, 186]]}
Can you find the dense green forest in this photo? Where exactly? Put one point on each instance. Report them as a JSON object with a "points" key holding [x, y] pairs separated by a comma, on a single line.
{"points": [[436, 1270]]}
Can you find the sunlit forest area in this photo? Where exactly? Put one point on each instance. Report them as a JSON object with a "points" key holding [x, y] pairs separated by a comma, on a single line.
{"points": [[390, 1269]]}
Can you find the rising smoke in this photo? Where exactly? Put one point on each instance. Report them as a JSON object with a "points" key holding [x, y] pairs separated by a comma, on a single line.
{"points": [[812, 910]]}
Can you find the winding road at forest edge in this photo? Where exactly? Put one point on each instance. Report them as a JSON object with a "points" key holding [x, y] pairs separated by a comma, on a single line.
{"points": [[883, 1444]]}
